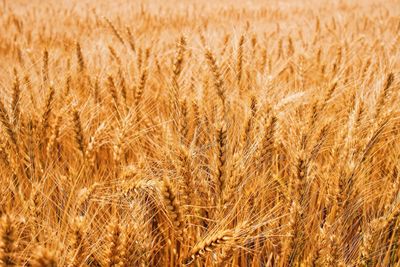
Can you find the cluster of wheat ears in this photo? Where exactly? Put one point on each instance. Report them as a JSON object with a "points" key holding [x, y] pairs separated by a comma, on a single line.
{"points": [[202, 134]]}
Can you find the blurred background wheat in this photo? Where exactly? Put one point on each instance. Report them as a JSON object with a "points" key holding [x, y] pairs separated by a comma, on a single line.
{"points": [[223, 133]]}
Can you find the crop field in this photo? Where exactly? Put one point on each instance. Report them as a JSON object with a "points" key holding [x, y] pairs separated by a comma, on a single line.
{"points": [[199, 133]]}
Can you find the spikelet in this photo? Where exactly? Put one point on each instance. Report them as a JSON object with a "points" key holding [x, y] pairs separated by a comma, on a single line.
{"points": [[122, 84], [321, 137], [15, 104], [47, 110], [289, 250], [245, 136], [221, 140], [79, 136], [67, 88], [208, 245], [44, 257], [79, 57], [139, 94], [185, 170], [118, 147], [196, 115], [137, 187], [113, 91], [177, 68], [264, 153], [79, 246], [96, 91], [329, 94], [239, 66], [136, 246], [386, 221], [45, 68], [226, 40], [131, 40], [114, 245], [114, 55], [28, 84], [93, 143], [215, 70], [147, 54], [115, 31], [290, 47], [280, 49], [5, 120], [139, 58], [184, 122], [84, 197], [140, 88], [173, 208], [7, 242], [35, 212], [55, 134], [383, 95]]}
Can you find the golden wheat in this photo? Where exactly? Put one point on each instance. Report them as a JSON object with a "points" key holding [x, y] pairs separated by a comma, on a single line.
{"points": [[224, 133]]}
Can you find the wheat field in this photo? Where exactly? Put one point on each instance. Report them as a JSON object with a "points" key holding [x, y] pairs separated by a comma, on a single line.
{"points": [[197, 133]]}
